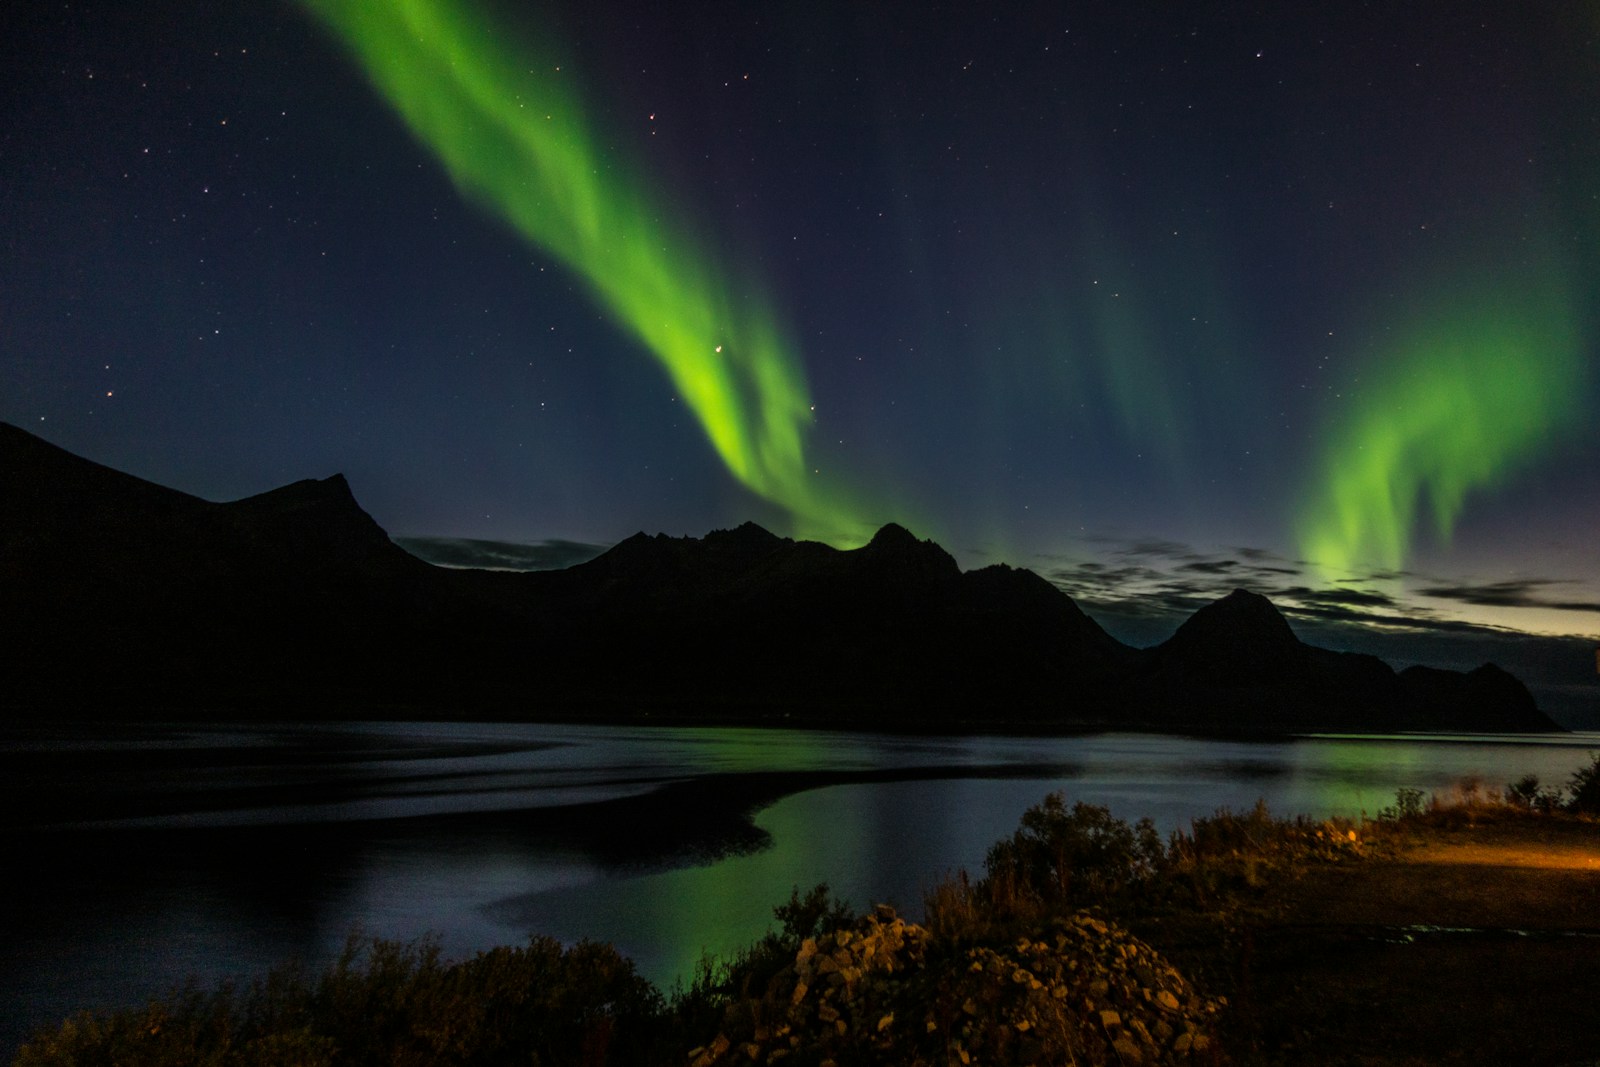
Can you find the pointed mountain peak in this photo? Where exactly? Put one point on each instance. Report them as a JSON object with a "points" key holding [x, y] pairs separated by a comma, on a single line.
{"points": [[1242, 604], [893, 535], [895, 549], [333, 487], [632, 550], [893, 541], [313, 511], [308, 493], [1241, 619], [1244, 608], [745, 535]]}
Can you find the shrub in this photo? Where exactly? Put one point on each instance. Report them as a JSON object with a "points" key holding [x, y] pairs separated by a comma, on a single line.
{"points": [[1072, 858], [1585, 787], [1469, 794], [723, 986], [1527, 794], [1524, 791], [1229, 853], [389, 1003], [955, 910], [810, 916], [1407, 805]]}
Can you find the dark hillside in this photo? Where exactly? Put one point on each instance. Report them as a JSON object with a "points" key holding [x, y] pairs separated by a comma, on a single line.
{"points": [[124, 598]]}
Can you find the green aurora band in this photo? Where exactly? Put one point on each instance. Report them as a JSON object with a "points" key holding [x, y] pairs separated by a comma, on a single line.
{"points": [[514, 139], [1469, 394]]}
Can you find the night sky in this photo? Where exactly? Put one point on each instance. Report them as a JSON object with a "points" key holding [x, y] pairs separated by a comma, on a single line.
{"points": [[1154, 299]]}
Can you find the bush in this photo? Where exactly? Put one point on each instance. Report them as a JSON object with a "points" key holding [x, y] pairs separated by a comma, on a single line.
{"points": [[1526, 793], [955, 910], [1407, 805], [1585, 787], [810, 916], [1060, 858], [722, 986], [1230, 853], [1468, 792], [389, 1003]]}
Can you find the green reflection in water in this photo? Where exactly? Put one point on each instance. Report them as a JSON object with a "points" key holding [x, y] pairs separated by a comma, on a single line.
{"points": [[668, 920], [1351, 777]]}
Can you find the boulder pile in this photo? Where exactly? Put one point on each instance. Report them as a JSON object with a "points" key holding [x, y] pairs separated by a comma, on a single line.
{"points": [[1079, 990]]}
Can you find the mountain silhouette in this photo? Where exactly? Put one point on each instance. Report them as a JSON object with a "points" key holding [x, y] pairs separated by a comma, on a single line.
{"points": [[128, 599]]}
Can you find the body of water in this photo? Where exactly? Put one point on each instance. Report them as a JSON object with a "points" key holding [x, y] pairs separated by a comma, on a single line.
{"points": [[142, 857]]}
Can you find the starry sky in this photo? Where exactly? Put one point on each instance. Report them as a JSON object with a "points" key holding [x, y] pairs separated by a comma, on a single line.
{"points": [[1155, 299]]}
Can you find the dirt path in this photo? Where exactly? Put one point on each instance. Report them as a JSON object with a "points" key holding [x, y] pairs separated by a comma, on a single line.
{"points": [[1479, 945]]}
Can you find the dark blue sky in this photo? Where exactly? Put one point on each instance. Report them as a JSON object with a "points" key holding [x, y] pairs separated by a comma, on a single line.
{"points": [[1155, 300]]}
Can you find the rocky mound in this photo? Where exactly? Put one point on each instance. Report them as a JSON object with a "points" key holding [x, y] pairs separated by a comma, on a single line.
{"points": [[1081, 991]]}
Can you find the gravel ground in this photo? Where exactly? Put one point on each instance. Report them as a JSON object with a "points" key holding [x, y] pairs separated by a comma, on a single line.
{"points": [[1478, 944]]}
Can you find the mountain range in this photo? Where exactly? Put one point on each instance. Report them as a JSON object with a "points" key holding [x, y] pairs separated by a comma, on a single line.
{"points": [[125, 599]]}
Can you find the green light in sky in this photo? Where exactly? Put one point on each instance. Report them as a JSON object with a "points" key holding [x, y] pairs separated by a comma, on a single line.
{"points": [[1472, 390], [510, 130]]}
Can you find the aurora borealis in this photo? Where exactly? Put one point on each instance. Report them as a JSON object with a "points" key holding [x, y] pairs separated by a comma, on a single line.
{"points": [[1489, 380], [511, 135], [1155, 303]]}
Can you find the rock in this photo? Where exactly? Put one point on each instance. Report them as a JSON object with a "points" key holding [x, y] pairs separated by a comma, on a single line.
{"points": [[1081, 991], [713, 1052]]}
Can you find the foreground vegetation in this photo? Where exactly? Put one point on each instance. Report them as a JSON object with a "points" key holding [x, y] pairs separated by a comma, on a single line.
{"points": [[1086, 940]]}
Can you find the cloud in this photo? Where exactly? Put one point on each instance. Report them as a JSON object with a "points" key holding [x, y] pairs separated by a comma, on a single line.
{"points": [[1514, 593], [466, 552], [1212, 566], [1141, 591], [1156, 549], [1103, 577], [1348, 597], [1413, 621], [1264, 562]]}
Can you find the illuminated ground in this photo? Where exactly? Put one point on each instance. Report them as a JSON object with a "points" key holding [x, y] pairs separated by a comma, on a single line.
{"points": [[1480, 945]]}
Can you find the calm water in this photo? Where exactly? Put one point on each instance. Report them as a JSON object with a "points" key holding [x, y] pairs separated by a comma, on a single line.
{"points": [[139, 858]]}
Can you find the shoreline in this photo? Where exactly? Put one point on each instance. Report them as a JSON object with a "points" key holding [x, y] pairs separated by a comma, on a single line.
{"points": [[843, 718], [694, 819]]}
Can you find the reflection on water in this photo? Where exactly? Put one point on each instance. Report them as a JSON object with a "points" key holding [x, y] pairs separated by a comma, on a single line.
{"points": [[152, 855]]}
